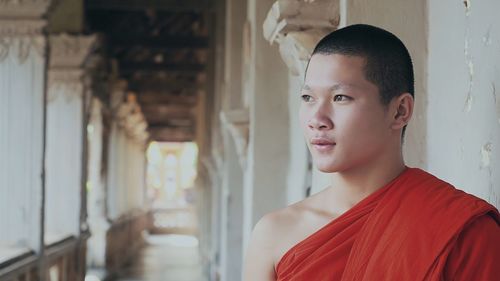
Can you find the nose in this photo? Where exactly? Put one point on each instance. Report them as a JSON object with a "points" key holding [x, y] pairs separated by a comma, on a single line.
{"points": [[321, 118]]}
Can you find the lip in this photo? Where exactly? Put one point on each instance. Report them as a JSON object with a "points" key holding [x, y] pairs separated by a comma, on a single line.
{"points": [[322, 144]]}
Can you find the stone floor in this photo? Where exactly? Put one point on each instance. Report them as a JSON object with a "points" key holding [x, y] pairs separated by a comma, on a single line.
{"points": [[166, 258]]}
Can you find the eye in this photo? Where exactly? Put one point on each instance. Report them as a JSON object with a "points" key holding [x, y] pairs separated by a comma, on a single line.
{"points": [[341, 98], [306, 98]]}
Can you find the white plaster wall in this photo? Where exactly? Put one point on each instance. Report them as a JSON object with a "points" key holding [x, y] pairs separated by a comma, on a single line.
{"points": [[63, 162], [463, 115], [21, 141], [407, 20], [234, 190]]}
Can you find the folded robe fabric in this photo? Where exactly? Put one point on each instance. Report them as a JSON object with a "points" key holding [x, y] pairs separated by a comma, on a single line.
{"points": [[405, 230]]}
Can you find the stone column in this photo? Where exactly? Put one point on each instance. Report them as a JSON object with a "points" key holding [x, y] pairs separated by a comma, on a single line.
{"points": [[234, 120], [96, 194], [235, 123], [265, 88], [127, 150], [297, 26], [65, 126], [22, 86]]}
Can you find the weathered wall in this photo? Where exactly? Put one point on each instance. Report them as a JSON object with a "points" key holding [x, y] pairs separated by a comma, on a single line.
{"points": [[463, 114]]}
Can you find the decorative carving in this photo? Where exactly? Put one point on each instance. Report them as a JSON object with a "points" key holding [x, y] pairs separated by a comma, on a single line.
{"points": [[66, 72], [237, 124], [296, 48], [4, 49], [23, 9], [15, 28], [130, 118], [67, 81], [21, 27], [22, 47], [297, 25], [70, 51], [118, 91]]}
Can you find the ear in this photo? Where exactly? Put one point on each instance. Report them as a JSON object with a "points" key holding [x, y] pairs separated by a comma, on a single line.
{"points": [[401, 111]]}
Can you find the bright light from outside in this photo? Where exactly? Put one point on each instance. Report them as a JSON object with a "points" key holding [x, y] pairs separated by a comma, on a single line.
{"points": [[171, 173], [92, 278]]}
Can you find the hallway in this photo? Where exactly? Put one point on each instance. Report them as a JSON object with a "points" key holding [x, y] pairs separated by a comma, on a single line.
{"points": [[126, 125], [165, 258]]}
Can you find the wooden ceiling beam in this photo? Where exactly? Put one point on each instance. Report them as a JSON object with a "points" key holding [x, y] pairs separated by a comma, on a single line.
{"points": [[172, 134], [146, 98], [160, 42], [160, 87], [159, 112], [159, 5], [129, 68], [188, 122]]}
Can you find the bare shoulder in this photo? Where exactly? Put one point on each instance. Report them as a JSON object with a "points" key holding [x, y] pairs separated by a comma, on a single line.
{"points": [[277, 232], [264, 244]]}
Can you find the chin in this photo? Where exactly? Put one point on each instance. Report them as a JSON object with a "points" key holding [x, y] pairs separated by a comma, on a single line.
{"points": [[327, 167]]}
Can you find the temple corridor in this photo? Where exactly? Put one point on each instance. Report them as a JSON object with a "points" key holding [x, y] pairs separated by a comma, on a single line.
{"points": [[142, 140]]}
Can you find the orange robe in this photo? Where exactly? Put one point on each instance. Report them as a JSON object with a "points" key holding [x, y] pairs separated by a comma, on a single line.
{"points": [[417, 227]]}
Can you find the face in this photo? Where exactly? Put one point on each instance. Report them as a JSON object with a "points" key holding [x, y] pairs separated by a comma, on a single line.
{"points": [[344, 123]]}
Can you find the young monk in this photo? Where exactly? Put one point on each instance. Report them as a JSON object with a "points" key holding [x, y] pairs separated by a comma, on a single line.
{"points": [[379, 219]]}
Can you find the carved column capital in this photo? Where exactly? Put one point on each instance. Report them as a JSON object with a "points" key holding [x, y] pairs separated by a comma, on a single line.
{"points": [[130, 118], [21, 25], [297, 25], [65, 81], [66, 71], [118, 92], [21, 36], [68, 51], [21, 46], [10, 27], [237, 123]]}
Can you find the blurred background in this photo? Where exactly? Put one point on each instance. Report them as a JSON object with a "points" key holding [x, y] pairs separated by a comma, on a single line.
{"points": [[142, 140]]}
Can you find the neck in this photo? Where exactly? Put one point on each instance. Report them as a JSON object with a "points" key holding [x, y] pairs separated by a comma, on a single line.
{"points": [[351, 186]]}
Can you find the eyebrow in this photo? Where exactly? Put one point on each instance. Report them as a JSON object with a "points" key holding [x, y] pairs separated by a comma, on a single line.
{"points": [[335, 87]]}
